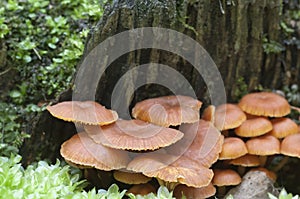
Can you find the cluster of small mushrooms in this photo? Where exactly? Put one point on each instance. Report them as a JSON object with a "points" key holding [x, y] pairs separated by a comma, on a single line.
{"points": [[256, 132], [168, 141]]}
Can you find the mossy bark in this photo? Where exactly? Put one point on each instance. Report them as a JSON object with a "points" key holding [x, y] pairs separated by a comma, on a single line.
{"points": [[231, 32]]}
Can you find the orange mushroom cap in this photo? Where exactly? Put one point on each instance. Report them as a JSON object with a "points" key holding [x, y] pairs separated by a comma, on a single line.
{"points": [[247, 160], [233, 147], [229, 116], [254, 127], [290, 145], [128, 177], [202, 142], [82, 150], [263, 145], [209, 114], [168, 110], [161, 166], [283, 127], [193, 193], [226, 177], [265, 104], [87, 112], [133, 135], [141, 189]]}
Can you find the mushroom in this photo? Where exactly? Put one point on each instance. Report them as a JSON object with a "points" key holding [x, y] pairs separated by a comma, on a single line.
{"points": [[290, 148], [82, 150], [283, 127], [202, 142], [170, 172], [228, 116], [209, 114], [192, 193], [233, 147], [87, 112], [254, 127], [133, 135], [263, 146], [247, 160], [223, 178], [141, 189], [168, 110], [265, 104], [128, 177], [290, 145]]}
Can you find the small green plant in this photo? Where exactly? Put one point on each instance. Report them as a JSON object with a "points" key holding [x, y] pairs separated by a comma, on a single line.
{"points": [[36, 181], [271, 46], [283, 195], [11, 136], [44, 181], [292, 94], [241, 88]]}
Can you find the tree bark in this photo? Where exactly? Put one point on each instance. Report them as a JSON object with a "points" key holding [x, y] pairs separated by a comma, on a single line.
{"points": [[231, 31]]}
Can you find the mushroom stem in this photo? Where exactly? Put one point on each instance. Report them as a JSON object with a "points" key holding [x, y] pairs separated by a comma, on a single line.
{"points": [[281, 164], [263, 160], [170, 185], [221, 191], [241, 170]]}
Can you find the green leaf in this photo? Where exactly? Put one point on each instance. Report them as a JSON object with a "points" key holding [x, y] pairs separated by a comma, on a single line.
{"points": [[15, 94]]}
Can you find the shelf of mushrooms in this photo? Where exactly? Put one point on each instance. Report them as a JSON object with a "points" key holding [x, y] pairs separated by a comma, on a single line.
{"points": [[166, 142]]}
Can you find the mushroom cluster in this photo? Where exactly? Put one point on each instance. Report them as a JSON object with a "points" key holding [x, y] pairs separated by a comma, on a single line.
{"points": [[165, 140], [256, 129]]}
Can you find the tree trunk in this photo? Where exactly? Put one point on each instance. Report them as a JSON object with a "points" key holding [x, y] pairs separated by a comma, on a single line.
{"points": [[231, 32]]}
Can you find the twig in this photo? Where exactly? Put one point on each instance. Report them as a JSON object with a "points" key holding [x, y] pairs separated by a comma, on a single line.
{"points": [[295, 108], [6, 71], [37, 53]]}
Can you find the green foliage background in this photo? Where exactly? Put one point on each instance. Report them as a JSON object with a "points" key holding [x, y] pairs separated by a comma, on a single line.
{"points": [[44, 41]]}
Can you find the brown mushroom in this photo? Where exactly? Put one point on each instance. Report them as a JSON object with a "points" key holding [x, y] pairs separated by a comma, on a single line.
{"points": [[133, 135], [232, 148], [254, 127], [209, 114], [194, 193], [226, 177], [228, 116], [87, 112], [263, 146], [202, 142], [265, 104], [247, 160], [283, 127], [82, 150], [290, 145], [128, 177], [168, 110], [169, 172], [141, 189]]}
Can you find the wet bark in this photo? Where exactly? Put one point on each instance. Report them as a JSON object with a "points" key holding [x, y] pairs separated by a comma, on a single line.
{"points": [[231, 32]]}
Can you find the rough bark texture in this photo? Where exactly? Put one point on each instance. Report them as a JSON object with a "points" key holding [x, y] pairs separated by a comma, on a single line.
{"points": [[231, 31]]}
